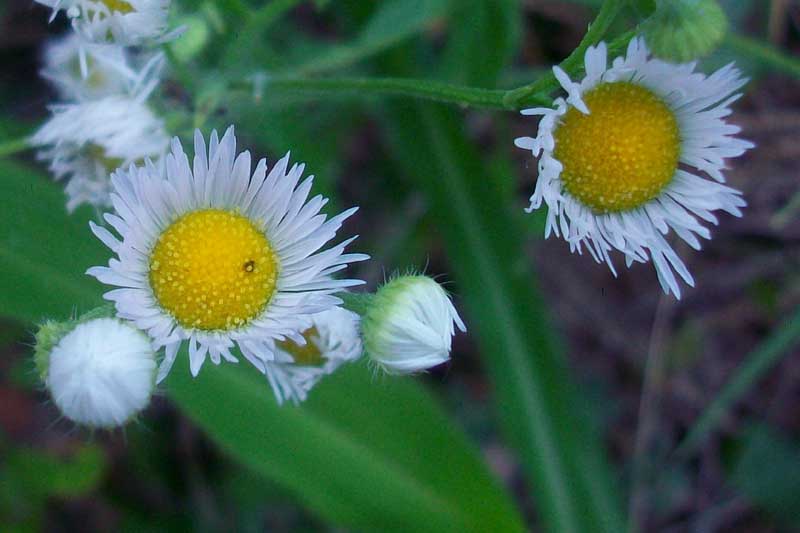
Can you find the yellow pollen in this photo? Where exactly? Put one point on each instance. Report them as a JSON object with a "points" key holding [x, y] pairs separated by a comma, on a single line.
{"points": [[623, 153], [98, 153], [118, 5], [308, 355], [213, 270]]}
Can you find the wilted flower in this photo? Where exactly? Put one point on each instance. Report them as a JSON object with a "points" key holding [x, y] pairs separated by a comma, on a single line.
{"points": [[331, 340], [125, 22], [85, 142], [86, 71], [622, 158]]}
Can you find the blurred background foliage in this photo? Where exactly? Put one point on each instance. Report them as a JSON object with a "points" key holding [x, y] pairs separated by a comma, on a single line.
{"points": [[537, 423]]}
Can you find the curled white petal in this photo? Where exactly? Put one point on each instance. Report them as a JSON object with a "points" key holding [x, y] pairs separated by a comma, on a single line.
{"points": [[699, 104]]}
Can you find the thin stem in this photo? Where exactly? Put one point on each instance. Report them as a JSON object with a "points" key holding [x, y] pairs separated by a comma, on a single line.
{"points": [[415, 88], [648, 411], [266, 15], [597, 29], [766, 54], [14, 146]]}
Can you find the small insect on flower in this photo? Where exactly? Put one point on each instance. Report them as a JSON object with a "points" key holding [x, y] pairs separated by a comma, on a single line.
{"points": [[124, 22], [332, 339], [409, 324], [100, 373], [86, 71], [221, 256], [85, 142], [621, 160]]}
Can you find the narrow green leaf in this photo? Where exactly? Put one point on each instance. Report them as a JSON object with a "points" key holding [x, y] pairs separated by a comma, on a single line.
{"points": [[483, 39], [766, 468], [393, 22], [373, 455], [779, 343], [364, 453], [38, 474], [43, 251]]}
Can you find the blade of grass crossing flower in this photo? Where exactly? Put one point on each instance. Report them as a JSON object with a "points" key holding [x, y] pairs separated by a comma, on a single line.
{"points": [[561, 454], [363, 453]]}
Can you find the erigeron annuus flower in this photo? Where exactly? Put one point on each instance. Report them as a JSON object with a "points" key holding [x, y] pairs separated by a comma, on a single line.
{"points": [[331, 339], [125, 22], [100, 372], [623, 160], [408, 325], [86, 71], [86, 141], [219, 256]]}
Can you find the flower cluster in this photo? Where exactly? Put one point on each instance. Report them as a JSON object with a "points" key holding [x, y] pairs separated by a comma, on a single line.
{"points": [[219, 259], [102, 120]]}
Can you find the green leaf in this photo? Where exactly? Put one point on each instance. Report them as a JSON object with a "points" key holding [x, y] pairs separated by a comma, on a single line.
{"points": [[43, 251], [393, 22], [777, 345], [766, 468], [364, 453], [372, 455], [38, 475], [483, 40], [533, 393]]}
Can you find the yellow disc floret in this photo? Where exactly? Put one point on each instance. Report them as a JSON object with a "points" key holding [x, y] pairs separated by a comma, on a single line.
{"points": [[307, 355], [118, 5], [213, 270], [623, 153]]}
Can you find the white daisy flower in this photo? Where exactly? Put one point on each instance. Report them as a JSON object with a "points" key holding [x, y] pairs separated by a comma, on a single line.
{"points": [[125, 22], [218, 256], [86, 71], [85, 142], [409, 325], [627, 156], [101, 373], [331, 340]]}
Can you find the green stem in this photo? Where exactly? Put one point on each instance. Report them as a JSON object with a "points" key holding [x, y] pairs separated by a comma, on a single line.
{"points": [[357, 302], [763, 53], [266, 15], [761, 360], [414, 88], [527, 94], [14, 146]]}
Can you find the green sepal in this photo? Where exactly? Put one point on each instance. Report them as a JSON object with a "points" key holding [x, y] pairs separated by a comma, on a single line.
{"points": [[51, 332]]}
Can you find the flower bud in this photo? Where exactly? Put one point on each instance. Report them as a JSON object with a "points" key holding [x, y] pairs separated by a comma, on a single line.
{"points": [[99, 371], [408, 325], [683, 30]]}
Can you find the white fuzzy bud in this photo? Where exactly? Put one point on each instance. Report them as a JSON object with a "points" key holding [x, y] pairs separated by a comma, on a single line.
{"points": [[101, 373], [409, 324]]}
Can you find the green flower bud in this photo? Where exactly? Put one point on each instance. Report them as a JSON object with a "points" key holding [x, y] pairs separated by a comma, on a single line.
{"points": [[683, 30]]}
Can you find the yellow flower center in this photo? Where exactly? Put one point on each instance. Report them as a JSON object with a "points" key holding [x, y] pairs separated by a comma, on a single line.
{"points": [[623, 153], [118, 5], [307, 355], [98, 153], [213, 270]]}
